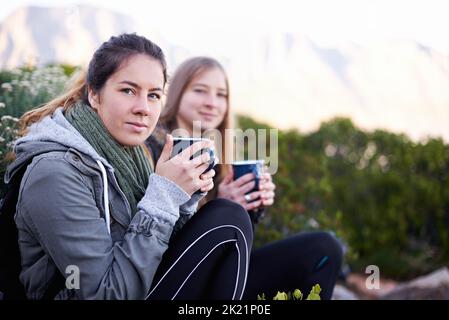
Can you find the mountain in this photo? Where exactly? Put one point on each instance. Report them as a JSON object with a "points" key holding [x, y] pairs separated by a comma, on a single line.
{"points": [[396, 85], [40, 35], [286, 80]]}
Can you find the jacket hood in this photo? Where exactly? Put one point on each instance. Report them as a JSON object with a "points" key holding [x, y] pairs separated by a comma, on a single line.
{"points": [[52, 133]]}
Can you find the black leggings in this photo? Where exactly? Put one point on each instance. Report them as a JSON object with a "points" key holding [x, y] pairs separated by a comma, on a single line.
{"points": [[211, 258]]}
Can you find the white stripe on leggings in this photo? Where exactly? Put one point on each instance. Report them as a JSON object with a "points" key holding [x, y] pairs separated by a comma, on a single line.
{"points": [[182, 285], [238, 273], [194, 242]]}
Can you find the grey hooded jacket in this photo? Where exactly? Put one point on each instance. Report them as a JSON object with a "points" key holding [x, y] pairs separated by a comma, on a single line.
{"points": [[61, 217]]}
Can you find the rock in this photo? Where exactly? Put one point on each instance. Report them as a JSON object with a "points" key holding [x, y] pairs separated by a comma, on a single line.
{"points": [[434, 286], [342, 293]]}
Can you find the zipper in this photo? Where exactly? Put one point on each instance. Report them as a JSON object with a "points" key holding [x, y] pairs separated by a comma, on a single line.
{"points": [[122, 195]]}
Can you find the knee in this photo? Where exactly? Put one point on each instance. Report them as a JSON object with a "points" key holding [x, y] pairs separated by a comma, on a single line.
{"points": [[227, 210], [330, 245], [230, 213]]}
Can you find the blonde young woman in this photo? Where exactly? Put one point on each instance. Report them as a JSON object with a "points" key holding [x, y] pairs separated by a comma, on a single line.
{"points": [[199, 94], [90, 200]]}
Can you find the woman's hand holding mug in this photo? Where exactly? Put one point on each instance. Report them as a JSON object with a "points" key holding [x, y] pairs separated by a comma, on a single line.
{"points": [[187, 173], [236, 190]]}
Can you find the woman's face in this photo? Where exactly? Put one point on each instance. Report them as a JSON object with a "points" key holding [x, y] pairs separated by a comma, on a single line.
{"points": [[129, 104], [204, 100]]}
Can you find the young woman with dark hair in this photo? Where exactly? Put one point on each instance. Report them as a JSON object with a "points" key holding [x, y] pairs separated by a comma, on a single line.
{"points": [[92, 206]]}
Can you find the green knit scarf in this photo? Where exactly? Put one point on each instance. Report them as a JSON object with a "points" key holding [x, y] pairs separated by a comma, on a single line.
{"points": [[132, 168]]}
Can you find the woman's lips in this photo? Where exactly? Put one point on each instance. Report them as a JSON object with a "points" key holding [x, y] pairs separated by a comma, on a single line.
{"points": [[137, 126], [208, 116]]}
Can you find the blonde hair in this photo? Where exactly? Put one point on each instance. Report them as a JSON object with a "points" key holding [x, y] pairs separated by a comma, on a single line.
{"points": [[179, 83]]}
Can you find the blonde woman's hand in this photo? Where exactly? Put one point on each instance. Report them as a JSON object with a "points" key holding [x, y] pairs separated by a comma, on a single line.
{"points": [[186, 173], [267, 187], [236, 190]]}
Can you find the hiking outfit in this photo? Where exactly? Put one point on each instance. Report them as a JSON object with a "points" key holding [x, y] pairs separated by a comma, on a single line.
{"points": [[87, 203]]}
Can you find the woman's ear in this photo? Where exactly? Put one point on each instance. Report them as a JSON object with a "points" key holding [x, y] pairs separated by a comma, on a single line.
{"points": [[93, 98]]}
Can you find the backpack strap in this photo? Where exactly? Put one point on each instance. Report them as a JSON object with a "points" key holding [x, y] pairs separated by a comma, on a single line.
{"points": [[10, 259]]}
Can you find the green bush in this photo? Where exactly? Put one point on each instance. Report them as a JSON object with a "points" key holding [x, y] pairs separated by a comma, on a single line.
{"points": [[382, 194], [24, 89], [21, 90]]}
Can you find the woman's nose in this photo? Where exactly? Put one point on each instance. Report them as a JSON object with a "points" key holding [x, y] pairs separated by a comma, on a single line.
{"points": [[211, 101], [142, 106]]}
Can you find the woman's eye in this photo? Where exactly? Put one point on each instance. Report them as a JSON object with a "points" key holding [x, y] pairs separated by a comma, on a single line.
{"points": [[154, 96], [199, 90], [222, 95], [127, 91]]}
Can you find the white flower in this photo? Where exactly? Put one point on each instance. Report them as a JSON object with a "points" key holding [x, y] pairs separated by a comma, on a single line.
{"points": [[8, 117], [2, 105], [330, 150], [7, 86]]}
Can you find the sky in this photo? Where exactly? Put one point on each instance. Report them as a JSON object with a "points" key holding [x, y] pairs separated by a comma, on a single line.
{"points": [[327, 22]]}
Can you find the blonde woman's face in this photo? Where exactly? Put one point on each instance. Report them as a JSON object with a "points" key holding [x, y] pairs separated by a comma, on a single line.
{"points": [[204, 100], [130, 102]]}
